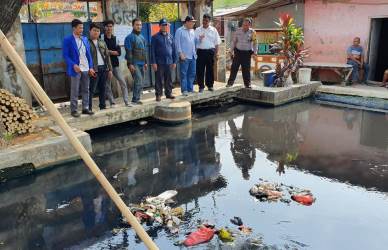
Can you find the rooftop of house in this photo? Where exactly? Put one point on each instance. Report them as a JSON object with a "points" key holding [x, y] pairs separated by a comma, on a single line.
{"points": [[258, 5]]}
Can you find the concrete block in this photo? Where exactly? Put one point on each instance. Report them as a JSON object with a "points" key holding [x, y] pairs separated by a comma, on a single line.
{"points": [[278, 96], [173, 112], [44, 152]]}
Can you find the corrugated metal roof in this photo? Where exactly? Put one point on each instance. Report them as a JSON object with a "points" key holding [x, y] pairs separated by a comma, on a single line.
{"points": [[256, 6]]}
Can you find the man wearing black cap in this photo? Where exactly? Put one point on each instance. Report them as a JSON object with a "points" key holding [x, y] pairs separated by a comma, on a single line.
{"points": [[185, 45], [207, 50], [163, 60]]}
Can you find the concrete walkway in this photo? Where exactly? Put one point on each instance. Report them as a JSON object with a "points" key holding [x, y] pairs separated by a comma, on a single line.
{"points": [[358, 96], [355, 90], [121, 113]]}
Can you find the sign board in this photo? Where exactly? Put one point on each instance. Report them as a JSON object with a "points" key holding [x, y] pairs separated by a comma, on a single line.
{"points": [[121, 32]]}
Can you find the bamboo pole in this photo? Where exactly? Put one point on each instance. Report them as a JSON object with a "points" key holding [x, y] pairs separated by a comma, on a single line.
{"points": [[45, 100]]}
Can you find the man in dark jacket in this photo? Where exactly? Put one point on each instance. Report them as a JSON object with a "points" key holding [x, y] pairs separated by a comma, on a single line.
{"points": [[79, 65], [115, 52], [101, 64], [163, 60]]}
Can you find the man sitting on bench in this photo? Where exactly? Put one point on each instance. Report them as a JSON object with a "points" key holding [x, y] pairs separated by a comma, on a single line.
{"points": [[355, 56]]}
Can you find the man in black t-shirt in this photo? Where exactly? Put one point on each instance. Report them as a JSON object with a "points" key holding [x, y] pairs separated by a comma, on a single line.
{"points": [[115, 52]]}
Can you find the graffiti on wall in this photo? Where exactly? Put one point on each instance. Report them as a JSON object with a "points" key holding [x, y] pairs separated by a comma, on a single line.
{"points": [[123, 14], [9, 79]]}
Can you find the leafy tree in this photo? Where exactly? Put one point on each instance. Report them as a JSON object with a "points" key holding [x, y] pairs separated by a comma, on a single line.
{"points": [[163, 10], [144, 11]]}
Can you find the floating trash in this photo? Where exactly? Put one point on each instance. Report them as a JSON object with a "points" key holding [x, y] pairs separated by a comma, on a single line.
{"points": [[236, 221], [142, 123], [304, 199], [225, 235], [154, 209], [245, 230], [266, 191], [202, 235], [273, 192]]}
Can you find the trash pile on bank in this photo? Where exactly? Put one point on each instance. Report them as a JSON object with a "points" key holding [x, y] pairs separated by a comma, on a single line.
{"points": [[274, 192]]}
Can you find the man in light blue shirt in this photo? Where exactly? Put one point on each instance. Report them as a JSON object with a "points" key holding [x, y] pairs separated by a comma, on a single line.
{"points": [[355, 56], [185, 46]]}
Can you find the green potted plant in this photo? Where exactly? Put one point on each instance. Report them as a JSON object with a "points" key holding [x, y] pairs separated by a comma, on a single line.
{"points": [[291, 47]]}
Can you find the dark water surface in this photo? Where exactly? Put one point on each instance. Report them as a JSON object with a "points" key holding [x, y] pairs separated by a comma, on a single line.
{"points": [[342, 157]]}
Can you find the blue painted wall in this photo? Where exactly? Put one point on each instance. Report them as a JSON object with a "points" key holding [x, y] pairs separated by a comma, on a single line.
{"points": [[43, 49]]}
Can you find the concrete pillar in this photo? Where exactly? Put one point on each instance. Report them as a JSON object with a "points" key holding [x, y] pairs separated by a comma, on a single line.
{"points": [[9, 79], [220, 69]]}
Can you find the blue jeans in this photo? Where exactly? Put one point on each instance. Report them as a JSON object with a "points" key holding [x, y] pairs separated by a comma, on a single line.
{"points": [[187, 73], [138, 79], [356, 71]]}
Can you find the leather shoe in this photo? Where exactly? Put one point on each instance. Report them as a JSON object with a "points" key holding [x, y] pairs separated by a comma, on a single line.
{"points": [[87, 112], [75, 114]]}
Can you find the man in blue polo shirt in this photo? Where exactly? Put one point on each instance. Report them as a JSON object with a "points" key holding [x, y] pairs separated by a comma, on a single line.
{"points": [[163, 60], [355, 57]]}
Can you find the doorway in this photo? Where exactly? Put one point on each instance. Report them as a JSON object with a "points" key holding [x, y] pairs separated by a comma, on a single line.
{"points": [[378, 49]]}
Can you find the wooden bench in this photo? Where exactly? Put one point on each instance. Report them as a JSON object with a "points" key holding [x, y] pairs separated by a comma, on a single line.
{"points": [[343, 70]]}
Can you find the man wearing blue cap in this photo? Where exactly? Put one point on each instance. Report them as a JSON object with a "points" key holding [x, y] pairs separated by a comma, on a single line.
{"points": [[163, 60]]}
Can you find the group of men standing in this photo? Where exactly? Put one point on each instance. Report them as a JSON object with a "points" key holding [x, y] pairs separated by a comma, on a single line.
{"points": [[92, 62]]}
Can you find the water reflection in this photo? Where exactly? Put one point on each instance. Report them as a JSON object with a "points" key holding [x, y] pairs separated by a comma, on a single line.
{"points": [[319, 139], [65, 207], [70, 206], [244, 153]]}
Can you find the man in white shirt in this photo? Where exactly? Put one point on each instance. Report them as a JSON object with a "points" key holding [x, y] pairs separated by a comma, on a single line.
{"points": [[207, 51], [79, 65]]}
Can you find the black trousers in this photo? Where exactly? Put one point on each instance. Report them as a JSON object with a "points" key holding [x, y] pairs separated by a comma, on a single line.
{"points": [[205, 61], [100, 82], [163, 78], [243, 58]]}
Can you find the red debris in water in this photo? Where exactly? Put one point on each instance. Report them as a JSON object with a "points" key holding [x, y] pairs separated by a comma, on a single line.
{"points": [[141, 216], [305, 199], [202, 235]]}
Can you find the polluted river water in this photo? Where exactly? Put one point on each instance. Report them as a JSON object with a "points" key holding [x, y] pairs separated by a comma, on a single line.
{"points": [[340, 155]]}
